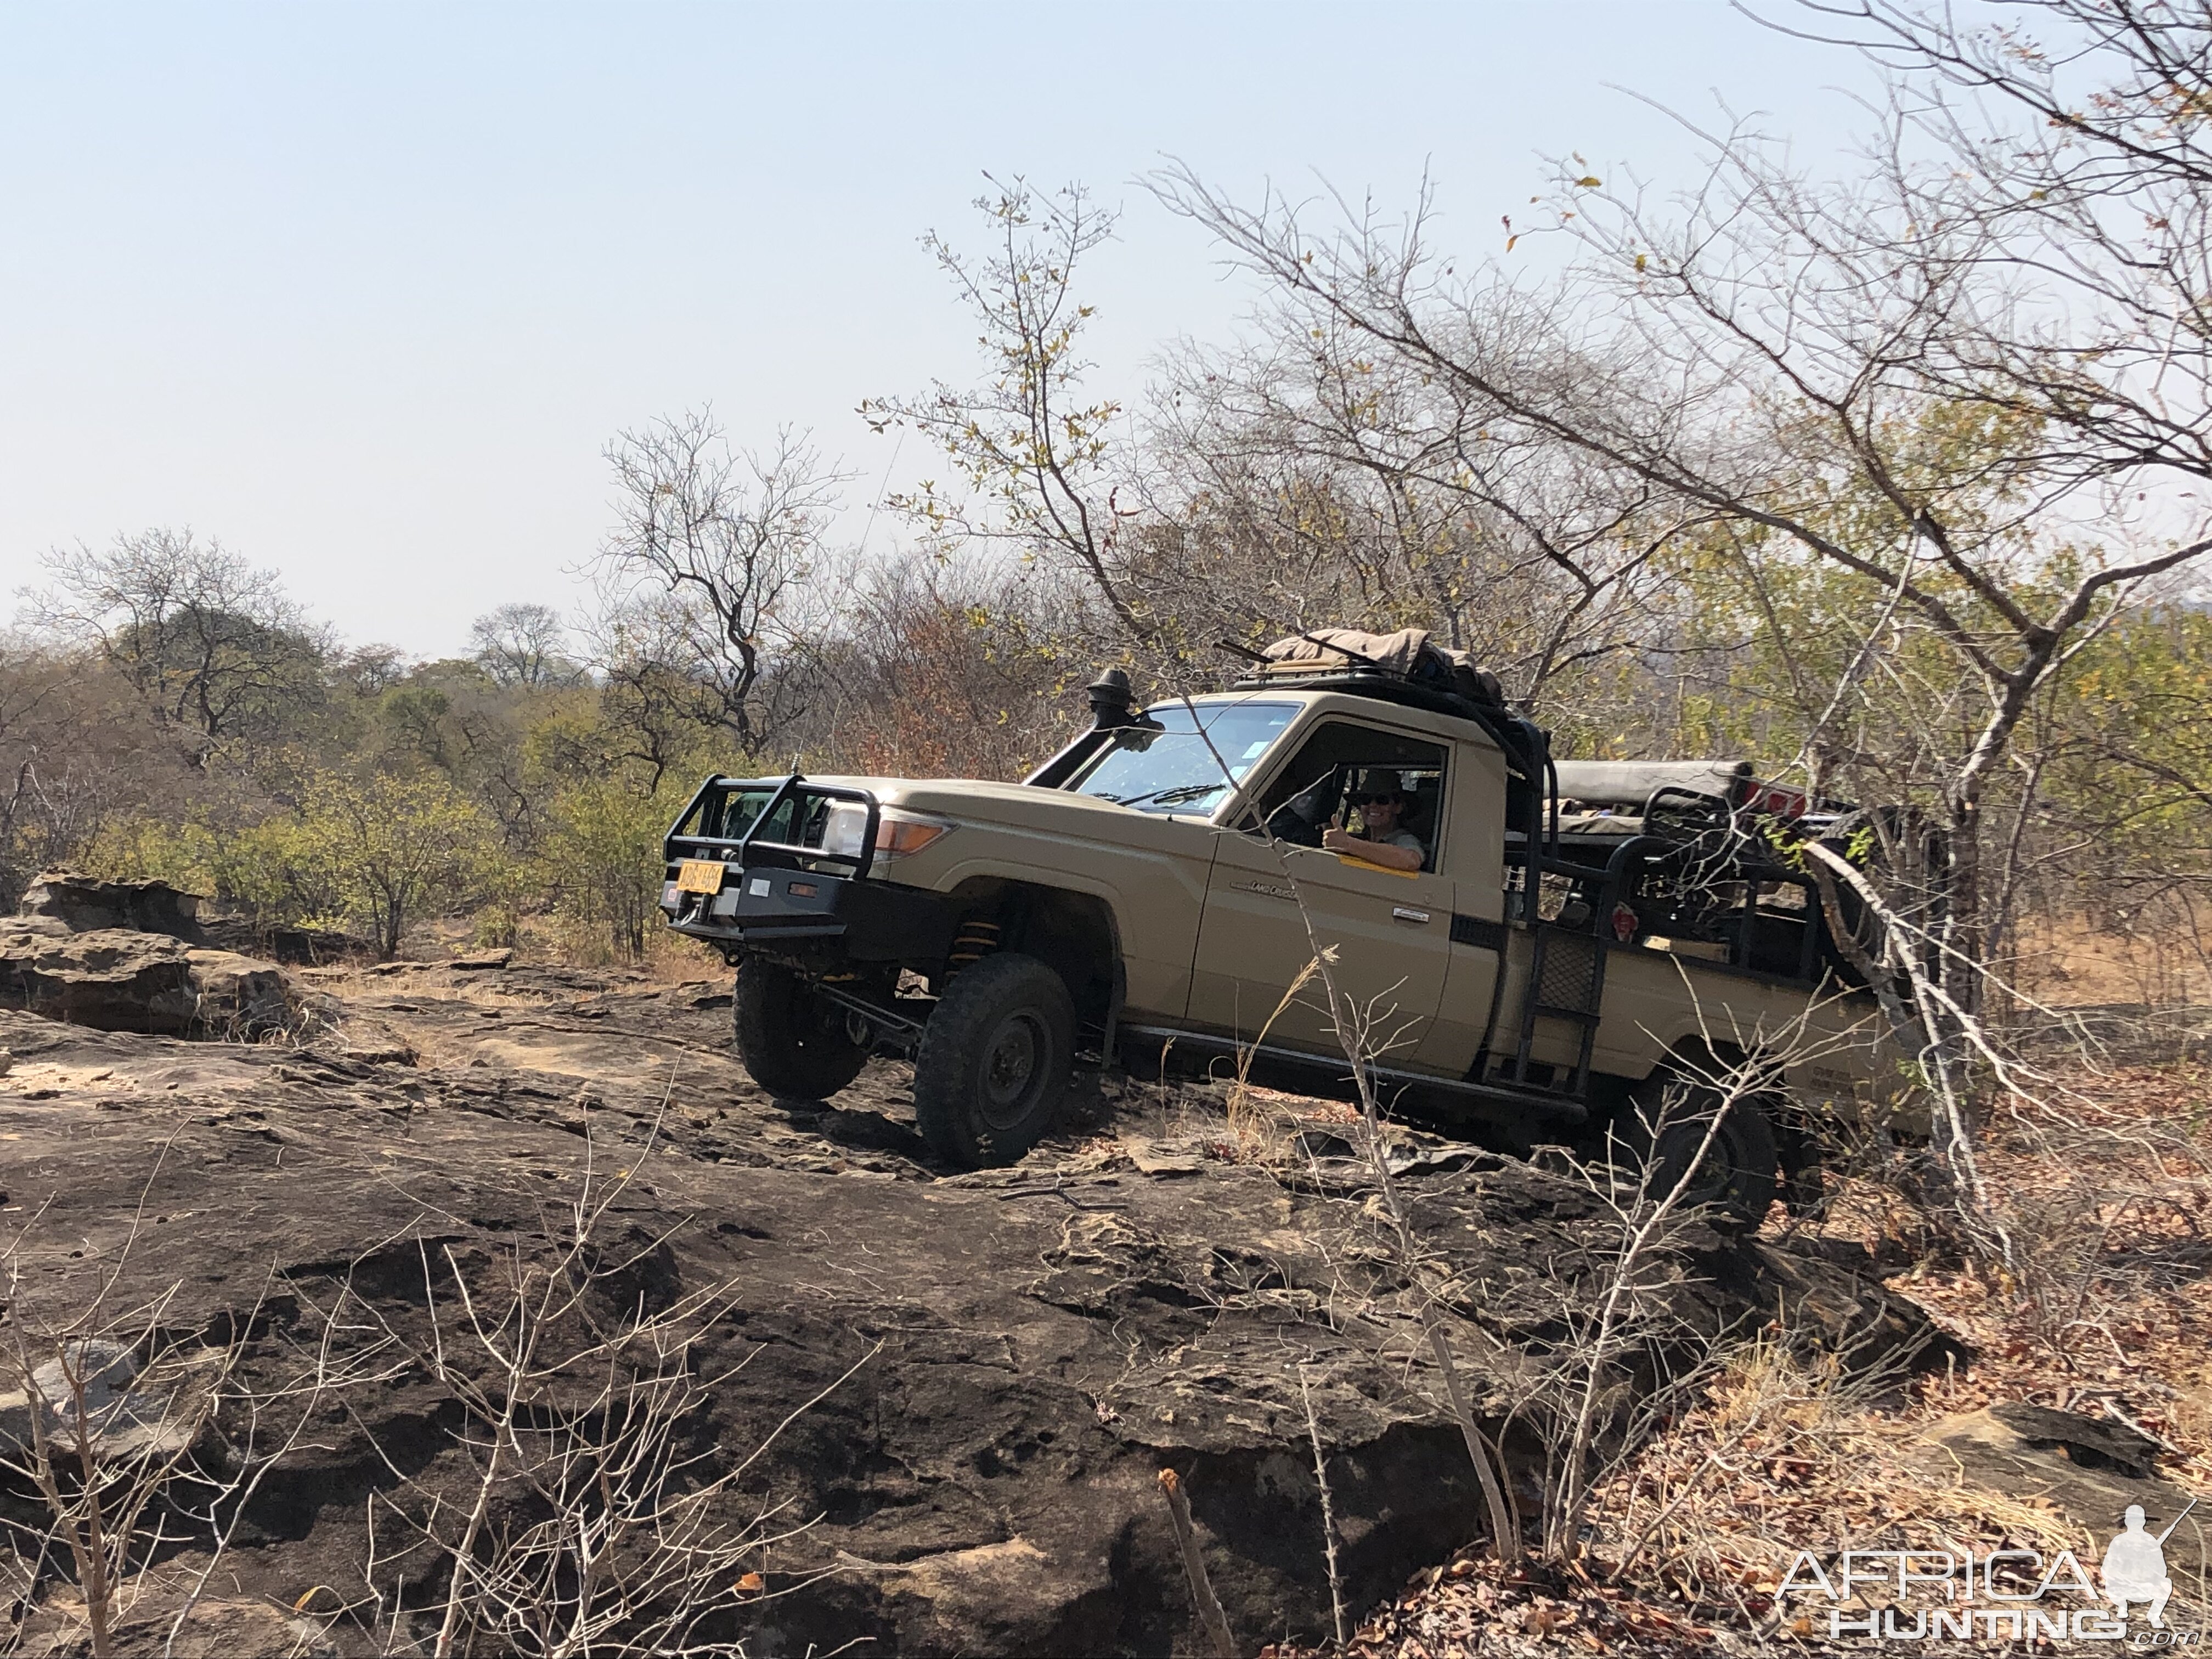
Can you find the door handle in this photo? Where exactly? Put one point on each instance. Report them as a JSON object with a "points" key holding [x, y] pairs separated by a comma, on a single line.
{"points": [[1400, 913]]}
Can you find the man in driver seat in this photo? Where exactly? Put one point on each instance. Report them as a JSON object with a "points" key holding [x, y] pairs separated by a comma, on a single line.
{"points": [[1380, 797]]}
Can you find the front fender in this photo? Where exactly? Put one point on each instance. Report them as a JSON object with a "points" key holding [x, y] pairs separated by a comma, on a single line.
{"points": [[1154, 897]]}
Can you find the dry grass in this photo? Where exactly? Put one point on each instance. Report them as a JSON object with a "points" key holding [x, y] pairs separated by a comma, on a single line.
{"points": [[2070, 962]]}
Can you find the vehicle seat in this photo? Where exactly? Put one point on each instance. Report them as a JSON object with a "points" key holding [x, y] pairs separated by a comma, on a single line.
{"points": [[1421, 819]]}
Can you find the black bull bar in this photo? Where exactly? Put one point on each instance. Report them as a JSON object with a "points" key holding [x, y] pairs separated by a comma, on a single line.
{"points": [[786, 894]]}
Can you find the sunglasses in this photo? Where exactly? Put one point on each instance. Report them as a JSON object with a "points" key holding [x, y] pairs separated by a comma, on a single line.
{"points": [[1375, 800]]}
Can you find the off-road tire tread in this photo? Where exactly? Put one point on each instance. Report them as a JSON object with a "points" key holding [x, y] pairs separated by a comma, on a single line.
{"points": [[771, 1046], [1749, 1124], [950, 1056]]}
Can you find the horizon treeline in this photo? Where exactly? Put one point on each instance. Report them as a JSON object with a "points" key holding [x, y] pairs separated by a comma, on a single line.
{"points": [[165, 711]]}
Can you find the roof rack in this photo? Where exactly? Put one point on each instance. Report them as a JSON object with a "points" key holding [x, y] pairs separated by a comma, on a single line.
{"points": [[1377, 683]]}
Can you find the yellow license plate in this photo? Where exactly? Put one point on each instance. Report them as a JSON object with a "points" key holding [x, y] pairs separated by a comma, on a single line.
{"points": [[700, 876]]}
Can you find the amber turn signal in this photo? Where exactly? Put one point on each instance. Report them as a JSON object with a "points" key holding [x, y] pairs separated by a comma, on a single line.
{"points": [[897, 834]]}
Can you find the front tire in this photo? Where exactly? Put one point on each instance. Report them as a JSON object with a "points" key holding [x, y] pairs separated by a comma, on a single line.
{"points": [[992, 1070], [794, 1043]]}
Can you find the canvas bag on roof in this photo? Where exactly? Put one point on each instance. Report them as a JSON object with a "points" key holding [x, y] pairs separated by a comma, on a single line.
{"points": [[1407, 653], [1396, 653]]}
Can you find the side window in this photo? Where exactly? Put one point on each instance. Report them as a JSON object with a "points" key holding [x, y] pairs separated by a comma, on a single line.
{"points": [[1347, 776]]}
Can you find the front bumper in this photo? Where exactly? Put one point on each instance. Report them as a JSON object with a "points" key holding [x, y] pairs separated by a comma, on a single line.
{"points": [[806, 912]]}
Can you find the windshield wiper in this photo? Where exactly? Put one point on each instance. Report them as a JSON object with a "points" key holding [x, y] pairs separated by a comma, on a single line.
{"points": [[1171, 797]]}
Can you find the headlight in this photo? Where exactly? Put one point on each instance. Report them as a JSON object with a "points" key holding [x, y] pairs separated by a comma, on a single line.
{"points": [[845, 830], [900, 834]]}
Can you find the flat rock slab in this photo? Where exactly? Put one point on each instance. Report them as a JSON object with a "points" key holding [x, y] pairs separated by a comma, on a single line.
{"points": [[118, 979], [110, 978], [83, 902], [2070, 1467]]}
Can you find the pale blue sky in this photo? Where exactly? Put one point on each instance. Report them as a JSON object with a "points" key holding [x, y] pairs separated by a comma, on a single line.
{"points": [[363, 290]]}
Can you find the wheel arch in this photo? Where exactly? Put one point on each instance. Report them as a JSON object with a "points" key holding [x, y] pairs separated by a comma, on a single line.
{"points": [[1071, 929]]}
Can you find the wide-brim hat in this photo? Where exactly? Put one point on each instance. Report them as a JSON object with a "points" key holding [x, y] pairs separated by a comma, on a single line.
{"points": [[1378, 780]]}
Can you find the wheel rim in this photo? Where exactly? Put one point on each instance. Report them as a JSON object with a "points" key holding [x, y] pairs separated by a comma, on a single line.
{"points": [[1013, 1068], [1716, 1178]]}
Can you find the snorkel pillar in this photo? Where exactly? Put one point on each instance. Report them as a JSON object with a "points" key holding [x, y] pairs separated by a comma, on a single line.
{"points": [[1113, 708], [1113, 702]]}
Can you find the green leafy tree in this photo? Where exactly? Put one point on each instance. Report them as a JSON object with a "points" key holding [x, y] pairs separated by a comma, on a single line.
{"points": [[383, 851], [605, 846]]}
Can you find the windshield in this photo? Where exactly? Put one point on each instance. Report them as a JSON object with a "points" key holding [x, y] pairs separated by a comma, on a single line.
{"points": [[1174, 770]]}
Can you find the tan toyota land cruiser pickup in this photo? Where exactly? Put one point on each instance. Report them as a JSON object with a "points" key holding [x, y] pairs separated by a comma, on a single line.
{"points": [[1138, 899]]}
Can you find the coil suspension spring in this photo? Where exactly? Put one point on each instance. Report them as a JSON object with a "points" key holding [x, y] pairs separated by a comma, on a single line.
{"points": [[976, 939]]}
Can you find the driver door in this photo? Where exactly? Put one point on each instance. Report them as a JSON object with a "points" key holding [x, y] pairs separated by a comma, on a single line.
{"points": [[1392, 929]]}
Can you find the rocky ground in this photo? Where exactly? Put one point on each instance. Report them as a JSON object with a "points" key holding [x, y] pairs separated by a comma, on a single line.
{"points": [[2076, 1387], [954, 1394]]}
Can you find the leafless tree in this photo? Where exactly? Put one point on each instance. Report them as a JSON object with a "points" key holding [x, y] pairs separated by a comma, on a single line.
{"points": [[657, 710], [943, 667], [35, 724], [213, 644], [76, 755], [705, 573], [521, 644], [1303, 479], [367, 671]]}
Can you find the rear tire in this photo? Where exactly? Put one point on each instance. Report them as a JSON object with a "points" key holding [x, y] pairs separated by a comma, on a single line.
{"points": [[992, 1072], [794, 1043], [1738, 1177]]}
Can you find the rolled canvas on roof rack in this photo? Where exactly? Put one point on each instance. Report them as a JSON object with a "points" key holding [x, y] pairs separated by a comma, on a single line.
{"points": [[1408, 654]]}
